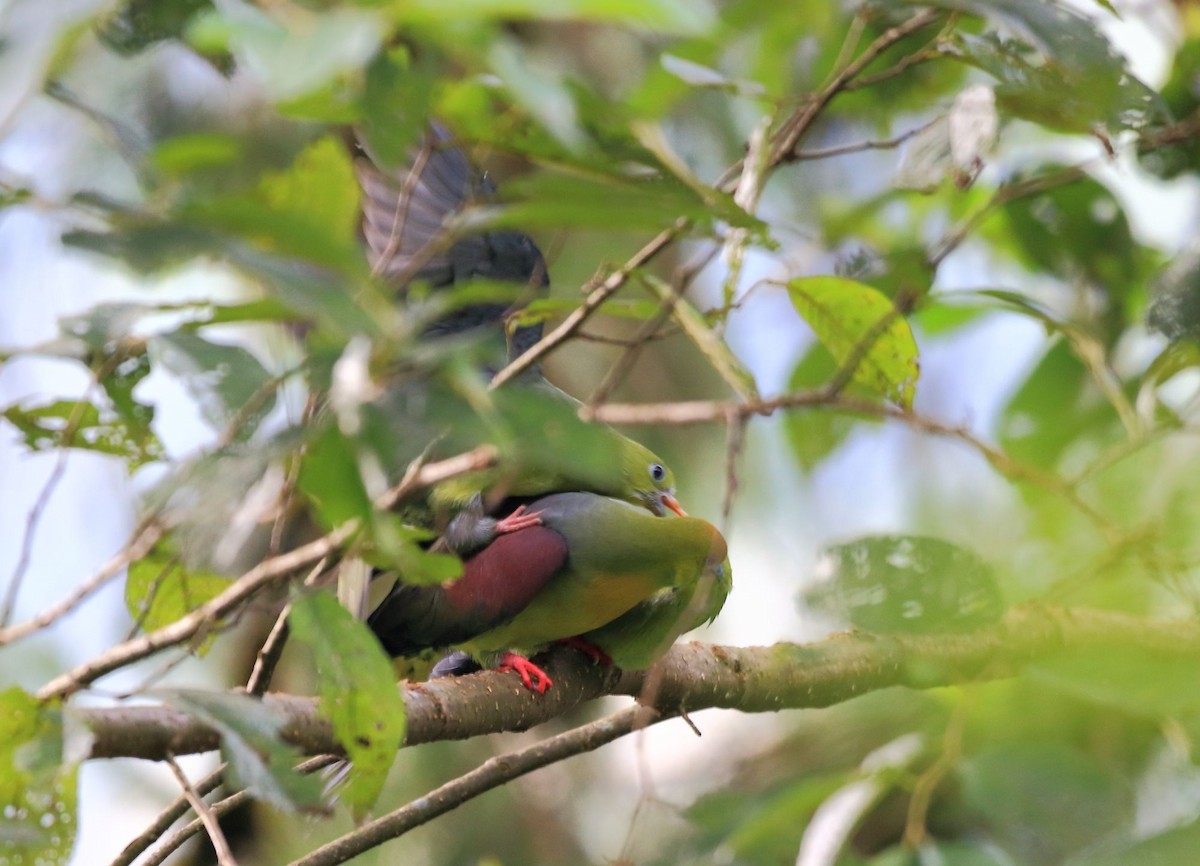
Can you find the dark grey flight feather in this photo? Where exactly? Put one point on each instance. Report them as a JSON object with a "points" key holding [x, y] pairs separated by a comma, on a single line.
{"points": [[406, 214]]}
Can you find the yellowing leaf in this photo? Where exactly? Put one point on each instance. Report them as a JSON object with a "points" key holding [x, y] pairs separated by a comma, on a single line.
{"points": [[860, 326]]}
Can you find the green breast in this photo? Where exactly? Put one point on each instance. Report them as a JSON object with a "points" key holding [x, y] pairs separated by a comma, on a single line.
{"points": [[573, 603]]}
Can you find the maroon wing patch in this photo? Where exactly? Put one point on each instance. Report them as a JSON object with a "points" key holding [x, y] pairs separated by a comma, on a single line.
{"points": [[500, 580]]}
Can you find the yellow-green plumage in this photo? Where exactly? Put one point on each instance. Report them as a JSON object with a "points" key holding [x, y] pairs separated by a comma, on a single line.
{"points": [[637, 476], [636, 639], [618, 556], [598, 559]]}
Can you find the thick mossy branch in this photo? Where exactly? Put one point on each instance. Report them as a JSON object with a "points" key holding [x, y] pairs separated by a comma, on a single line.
{"points": [[691, 677]]}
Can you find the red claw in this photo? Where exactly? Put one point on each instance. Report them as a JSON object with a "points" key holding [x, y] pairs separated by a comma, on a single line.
{"points": [[518, 520], [528, 671], [589, 649]]}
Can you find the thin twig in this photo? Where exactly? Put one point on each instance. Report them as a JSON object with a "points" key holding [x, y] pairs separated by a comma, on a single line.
{"points": [[491, 774], [32, 520], [125, 349], [915, 831], [211, 824], [265, 574], [617, 372], [708, 411], [166, 818], [795, 129], [590, 304], [270, 652], [735, 441], [859, 147], [404, 202], [260, 678], [220, 809], [783, 144], [143, 539]]}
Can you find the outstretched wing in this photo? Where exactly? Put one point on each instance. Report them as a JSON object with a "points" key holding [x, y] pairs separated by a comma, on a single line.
{"points": [[407, 212]]}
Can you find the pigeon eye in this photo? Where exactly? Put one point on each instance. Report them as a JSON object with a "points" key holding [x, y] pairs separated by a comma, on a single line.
{"points": [[657, 472]]}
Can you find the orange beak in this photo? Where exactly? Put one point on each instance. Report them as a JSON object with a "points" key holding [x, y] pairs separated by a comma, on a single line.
{"points": [[672, 503]]}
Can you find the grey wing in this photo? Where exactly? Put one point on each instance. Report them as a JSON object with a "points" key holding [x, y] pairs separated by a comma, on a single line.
{"points": [[405, 210], [406, 215]]}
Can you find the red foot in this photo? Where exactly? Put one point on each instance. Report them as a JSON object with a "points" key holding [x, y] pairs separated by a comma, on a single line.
{"points": [[528, 671], [589, 649], [518, 520]]}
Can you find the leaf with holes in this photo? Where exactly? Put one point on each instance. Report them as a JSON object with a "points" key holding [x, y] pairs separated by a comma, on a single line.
{"points": [[71, 424], [859, 326], [906, 584], [37, 782], [358, 692]]}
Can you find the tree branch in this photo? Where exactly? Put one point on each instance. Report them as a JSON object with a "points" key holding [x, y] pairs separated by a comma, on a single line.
{"points": [[205, 815], [493, 773], [690, 677], [265, 574], [709, 411]]}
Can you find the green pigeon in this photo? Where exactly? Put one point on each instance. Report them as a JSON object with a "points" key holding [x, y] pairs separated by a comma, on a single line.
{"points": [[638, 476], [408, 216], [593, 568]]}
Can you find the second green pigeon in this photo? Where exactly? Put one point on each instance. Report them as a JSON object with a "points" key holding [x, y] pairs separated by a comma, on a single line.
{"points": [[594, 567]]}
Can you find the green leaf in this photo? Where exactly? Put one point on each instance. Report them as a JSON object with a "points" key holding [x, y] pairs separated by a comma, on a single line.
{"points": [[559, 200], [906, 584], [263, 310], [252, 742], [396, 103], [541, 309], [358, 692], [160, 589], [763, 827], [319, 188], [184, 154], [1182, 100], [1176, 847], [1064, 75], [330, 478], [854, 321], [1175, 307], [223, 379], [1043, 801], [37, 782], [1054, 410], [666, 16], [940, 317], [1136, 681], [70, 424], [396, 547], [538, 90], [138, 24], [1079, 230], [714, 348], [814, 433], [293, 55]]}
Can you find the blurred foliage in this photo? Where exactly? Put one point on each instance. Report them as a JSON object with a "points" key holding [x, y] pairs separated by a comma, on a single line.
{"points": [[38, 767], [358, 693], [981, 140], [911, 584]]}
